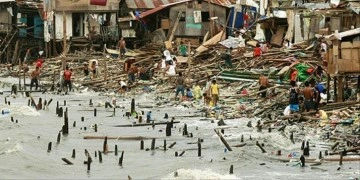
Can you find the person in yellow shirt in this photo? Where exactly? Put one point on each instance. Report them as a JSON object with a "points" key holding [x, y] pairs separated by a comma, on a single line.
{"points": [[214, 90]]}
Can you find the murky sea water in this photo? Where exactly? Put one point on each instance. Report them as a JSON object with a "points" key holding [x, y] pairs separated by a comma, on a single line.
{"points": [[23, 145]]}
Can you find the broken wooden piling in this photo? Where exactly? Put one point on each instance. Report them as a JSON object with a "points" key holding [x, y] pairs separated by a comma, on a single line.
{"points": [[259, 145], [141, 145], [153, 144], [121, 158], [49, 147]]}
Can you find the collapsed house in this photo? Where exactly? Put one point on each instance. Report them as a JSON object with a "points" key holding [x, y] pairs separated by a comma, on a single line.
{"points": [[21, 30]]}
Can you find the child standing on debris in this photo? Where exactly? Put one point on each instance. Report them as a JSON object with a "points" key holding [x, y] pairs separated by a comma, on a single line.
{"points": [[264, 84], [122, 47], [94, 69], [189, 94], [123, 86], [207, 99], [171, 70], [257, 51], [180, 85], [67, 79], [35, 78], [294, 97], [214, 88]]}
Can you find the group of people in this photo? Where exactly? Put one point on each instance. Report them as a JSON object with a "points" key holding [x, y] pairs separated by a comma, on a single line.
{"points": [[209, 94], [306, 99]]}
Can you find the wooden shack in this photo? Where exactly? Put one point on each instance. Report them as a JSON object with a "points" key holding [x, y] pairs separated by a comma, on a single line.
{"points": [[344, 58]]}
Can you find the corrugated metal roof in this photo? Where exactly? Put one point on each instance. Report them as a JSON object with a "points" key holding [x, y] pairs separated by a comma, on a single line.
{"points": [[151, 4]]}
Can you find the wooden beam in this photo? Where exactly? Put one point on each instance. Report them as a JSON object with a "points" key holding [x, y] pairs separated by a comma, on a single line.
{"points": [[64, 34]]}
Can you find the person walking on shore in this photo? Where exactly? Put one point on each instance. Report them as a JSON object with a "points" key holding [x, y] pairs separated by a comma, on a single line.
{"points": [[214, 88], [67, 79], [35, 78], [180, 86], [264, 83]]}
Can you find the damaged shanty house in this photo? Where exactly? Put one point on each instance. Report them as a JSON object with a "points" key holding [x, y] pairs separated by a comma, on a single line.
{"points": [[298, 21], [175, 20], [21, 30], [81, 24]]}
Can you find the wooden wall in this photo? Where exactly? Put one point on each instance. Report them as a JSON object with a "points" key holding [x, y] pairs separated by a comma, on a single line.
{"points": [[188, 27], [344, 58]]}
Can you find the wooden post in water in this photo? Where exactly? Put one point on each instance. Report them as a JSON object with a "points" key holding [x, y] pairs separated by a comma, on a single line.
{"points": [[73, 153], [116, 150], [182, 153], [153, 144], [49, 147], [90, 102], [66, 123], [176, 154], [88, 163], [168, 129], [95, 154], [57, 107], [74, 124], [82, 119], [185, 132], [5, 100], [105, 146], [58, 138], [29, 103], [121, 158], [95, 112], [341, 158], [95, 127], [164, 144], [141, 145], [64, 102], [132, 109], [231, 169], [242, 138], [302, 159], [199, 149], [100, 157], [320, 155], [172, 144]]}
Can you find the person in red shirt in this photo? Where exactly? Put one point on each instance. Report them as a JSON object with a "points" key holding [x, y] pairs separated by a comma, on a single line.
{"points": [[39, 62], [67, 78], [257, 51]]}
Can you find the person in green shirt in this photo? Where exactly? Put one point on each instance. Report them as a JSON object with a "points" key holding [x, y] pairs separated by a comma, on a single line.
{"points": [[183, 49]]}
